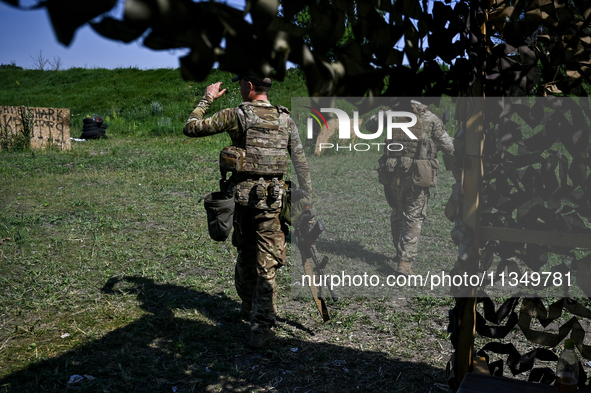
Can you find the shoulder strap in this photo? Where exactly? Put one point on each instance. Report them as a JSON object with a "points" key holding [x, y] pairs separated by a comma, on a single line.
{"points": [[282, 109]]}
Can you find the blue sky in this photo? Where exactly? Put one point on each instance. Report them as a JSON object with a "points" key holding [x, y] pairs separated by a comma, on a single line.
{"points": [[23, 34]]}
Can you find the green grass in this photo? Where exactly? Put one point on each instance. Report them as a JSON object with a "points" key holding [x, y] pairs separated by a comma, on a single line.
{"points": [[357, 239], [134, 103], [106, 268], [109, 272]]}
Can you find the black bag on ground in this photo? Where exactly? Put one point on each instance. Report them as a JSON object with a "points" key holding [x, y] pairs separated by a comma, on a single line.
{"points": [[90, 133], [220, 215], [91, 130], [94, 121], [103, 131]]}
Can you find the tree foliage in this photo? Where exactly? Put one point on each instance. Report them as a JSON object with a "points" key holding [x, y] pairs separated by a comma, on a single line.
{"points": [[365, 40], [303, 19]]}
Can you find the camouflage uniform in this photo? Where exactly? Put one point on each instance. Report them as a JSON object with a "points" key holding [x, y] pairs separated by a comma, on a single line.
{"points": [[407, 199], [258, 233]]}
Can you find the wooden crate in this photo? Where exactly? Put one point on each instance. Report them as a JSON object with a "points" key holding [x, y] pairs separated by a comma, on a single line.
{"points": [[51, 125]]}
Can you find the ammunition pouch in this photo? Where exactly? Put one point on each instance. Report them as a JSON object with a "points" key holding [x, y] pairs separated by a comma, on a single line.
{"points": [[261, 189], [404, 164], [274, 189], [269, 189], [220, 215], [264, 193], [392, 166], [424, 172], [232, 159]]}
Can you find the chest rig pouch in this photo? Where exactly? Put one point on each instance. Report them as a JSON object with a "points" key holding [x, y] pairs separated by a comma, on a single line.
{"points": [[232, 159]]}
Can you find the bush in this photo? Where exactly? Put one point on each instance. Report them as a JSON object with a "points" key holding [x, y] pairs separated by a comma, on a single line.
{"points": [[11, 66]]}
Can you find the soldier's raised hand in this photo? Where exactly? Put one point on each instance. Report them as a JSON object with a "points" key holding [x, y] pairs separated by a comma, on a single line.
{"points": [[214, 91]]}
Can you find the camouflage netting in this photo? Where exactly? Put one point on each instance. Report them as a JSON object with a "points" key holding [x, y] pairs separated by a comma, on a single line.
{"points": [[535, 177], [358, 47], [425, 48], [535, 170]]}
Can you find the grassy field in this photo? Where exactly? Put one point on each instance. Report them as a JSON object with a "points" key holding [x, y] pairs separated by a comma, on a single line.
{"points": [[107, 271], [134, 103]]}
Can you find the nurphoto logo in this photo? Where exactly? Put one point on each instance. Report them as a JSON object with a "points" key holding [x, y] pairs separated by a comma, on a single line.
{"points": [[392, 120]]}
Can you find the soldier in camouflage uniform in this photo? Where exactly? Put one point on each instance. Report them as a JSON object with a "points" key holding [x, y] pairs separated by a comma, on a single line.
{"points": [[262, 134], [407, 175]]}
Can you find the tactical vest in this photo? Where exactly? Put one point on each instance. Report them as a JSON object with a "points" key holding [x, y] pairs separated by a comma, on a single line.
{"points": [[264, 149], [410, 146]]}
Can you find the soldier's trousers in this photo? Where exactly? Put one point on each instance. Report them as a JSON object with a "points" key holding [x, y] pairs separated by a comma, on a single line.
{"points": [[261, 251], [409, 210]]}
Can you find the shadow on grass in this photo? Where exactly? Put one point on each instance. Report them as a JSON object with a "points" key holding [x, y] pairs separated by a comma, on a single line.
{"points": [[161, 352], [355, 250]]}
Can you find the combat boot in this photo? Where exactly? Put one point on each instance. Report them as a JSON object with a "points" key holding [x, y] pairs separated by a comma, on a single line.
{"points": [[404, 268], [259, 340]]}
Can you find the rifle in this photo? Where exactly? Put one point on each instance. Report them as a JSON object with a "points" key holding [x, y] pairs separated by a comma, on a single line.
{"points": [[306, 236]]}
